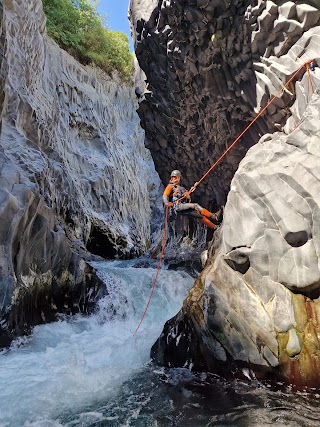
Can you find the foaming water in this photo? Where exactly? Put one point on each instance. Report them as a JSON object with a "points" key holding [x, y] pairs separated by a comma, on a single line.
{"points": [[81, 361], [92, 372]]}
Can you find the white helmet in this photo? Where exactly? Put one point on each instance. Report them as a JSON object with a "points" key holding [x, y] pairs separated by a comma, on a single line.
{"points": [[176, 173]]}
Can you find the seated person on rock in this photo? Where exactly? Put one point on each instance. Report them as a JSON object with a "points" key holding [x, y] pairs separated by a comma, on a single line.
{"points": [[172, 195]]}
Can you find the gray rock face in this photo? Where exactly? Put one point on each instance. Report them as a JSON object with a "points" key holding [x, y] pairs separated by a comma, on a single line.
{"points": [[74, 173], [269, 241], [257, 300], [210, 67]]}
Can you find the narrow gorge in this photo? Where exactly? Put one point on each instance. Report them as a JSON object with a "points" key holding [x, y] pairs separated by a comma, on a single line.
{"points": [[211, 66], [84, 158], [77, 183]]}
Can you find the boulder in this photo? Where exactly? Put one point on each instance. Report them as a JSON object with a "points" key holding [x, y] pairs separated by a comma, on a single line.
{"points": [[256, 302]]}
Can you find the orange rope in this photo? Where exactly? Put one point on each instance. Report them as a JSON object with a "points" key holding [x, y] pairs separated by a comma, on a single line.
{"points": [[164, 238], [309, 78], [242, 133], [207, 173]]}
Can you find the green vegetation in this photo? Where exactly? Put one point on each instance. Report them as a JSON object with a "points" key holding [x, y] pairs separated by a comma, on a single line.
{"points": [[77, 27]]}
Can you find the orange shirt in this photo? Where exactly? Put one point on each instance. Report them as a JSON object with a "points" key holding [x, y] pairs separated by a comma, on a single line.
{"points": [[168, 190]]}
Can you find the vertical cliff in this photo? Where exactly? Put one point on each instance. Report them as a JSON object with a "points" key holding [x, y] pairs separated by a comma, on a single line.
{"points": [[257, 302], [75, 177], [211, 66]]}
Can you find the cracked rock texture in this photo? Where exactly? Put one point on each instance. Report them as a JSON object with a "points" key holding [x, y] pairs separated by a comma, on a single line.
{"points": [[75, 176], [210, 66], [257, 300]]}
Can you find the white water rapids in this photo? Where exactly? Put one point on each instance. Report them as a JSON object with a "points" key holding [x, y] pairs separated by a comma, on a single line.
{"points": [[66, 366]]}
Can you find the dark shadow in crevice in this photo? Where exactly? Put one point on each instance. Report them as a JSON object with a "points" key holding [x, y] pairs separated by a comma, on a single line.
{"points": [[296, 239], [99, 244], [242, 267], [311, 294]]}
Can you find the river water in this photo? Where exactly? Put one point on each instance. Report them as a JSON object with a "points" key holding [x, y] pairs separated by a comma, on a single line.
{"points": [[92, 371]]}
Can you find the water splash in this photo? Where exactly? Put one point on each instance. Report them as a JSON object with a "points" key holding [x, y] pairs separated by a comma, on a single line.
{"points": [[80, 361]]}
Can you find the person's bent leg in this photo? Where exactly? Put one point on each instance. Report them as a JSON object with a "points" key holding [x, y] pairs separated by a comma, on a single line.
{"points": [[188, 209], [206, 213], [215, 218], [185, 206], [203, 211], [207, 222]]}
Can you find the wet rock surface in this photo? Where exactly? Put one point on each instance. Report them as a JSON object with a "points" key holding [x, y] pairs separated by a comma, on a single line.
{"points": [[75, 178]]}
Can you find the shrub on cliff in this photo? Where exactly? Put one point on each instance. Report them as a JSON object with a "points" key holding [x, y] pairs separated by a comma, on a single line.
{"points": [[77, 27]]}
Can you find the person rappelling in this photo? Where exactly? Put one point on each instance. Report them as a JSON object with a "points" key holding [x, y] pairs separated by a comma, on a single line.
{"points": [[177, 197]]}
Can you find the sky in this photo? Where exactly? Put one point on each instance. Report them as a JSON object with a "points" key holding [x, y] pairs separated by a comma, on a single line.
{"points": [[117, 20]]}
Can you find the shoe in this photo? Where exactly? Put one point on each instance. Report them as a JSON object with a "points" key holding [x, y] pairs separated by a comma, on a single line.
{"points": [[218, 216]]}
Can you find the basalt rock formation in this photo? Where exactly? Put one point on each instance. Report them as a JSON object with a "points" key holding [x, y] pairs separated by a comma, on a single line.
{"points": [[75, 177], [258, 298], [210, 67]]}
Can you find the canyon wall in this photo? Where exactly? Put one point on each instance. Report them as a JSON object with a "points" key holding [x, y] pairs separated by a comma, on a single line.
{"points": [[75, 177], [210, 67], [257, 301]]}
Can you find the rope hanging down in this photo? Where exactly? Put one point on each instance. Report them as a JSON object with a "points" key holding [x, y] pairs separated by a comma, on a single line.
{"points": [[309, 76], [192, 189], [164, 238]]}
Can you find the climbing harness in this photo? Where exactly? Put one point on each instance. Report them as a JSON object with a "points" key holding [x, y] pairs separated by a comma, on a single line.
{"points": [[308, 65], [177, 194]]}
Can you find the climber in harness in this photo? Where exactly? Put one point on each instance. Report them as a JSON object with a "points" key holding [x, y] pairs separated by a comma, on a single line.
{"points": [[172, 195]]}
